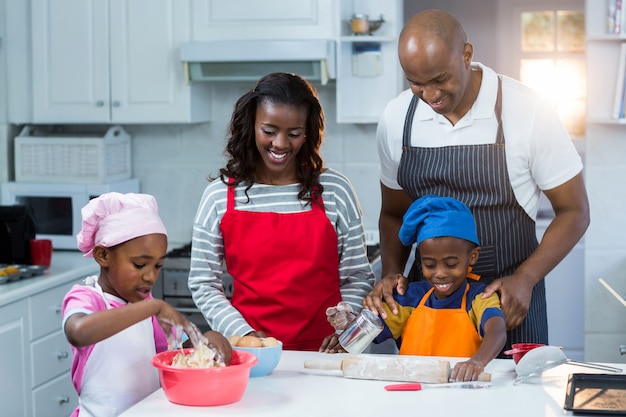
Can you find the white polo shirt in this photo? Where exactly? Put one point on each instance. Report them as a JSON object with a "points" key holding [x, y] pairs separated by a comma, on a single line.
{"points": [[539, 152]]}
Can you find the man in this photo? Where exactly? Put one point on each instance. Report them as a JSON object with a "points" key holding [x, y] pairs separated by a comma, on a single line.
{"points": [[463, 131]]}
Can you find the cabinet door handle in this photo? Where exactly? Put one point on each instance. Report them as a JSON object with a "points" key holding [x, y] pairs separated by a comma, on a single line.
{"points": [[64, 399], [62, 354], [99, 103], [116, 103], [57, 309]]}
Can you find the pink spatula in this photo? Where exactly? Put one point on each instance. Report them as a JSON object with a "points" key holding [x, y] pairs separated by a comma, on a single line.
{"points": [[416, 386]]}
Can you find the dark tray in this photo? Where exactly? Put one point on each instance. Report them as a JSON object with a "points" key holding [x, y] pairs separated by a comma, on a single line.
{"points": [[596, 394], [25, 271]]}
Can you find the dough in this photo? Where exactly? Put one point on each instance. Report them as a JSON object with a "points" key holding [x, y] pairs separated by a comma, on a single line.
{"points": [[202, 357]]}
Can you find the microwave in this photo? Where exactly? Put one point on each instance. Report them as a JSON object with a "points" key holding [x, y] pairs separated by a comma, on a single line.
{"points": [[57, 206]]}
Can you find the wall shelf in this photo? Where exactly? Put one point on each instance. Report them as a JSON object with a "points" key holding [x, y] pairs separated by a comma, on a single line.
{"points": [[605, 249], [367, 39]]}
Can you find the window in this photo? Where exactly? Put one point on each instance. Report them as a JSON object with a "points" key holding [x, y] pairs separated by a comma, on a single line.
{"points": [[552, 61]]}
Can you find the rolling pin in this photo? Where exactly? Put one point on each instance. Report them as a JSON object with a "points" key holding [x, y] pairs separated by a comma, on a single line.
{"points": [[400, 368], [403, 368]]}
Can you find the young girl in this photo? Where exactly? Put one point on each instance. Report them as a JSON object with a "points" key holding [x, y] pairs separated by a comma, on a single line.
{"points": [[112, 322], [289, 230]]}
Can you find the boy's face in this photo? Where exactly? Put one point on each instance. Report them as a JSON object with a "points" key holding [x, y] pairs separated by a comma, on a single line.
{"points": [[131, 268], [444, 263]]}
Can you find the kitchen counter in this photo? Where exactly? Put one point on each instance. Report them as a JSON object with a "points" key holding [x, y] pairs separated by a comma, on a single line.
{"points": [[66, 266], [291, 390]]}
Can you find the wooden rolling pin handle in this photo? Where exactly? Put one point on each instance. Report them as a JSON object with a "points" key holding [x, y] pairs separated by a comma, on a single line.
{"points": [[326, 365], [485, 377]]}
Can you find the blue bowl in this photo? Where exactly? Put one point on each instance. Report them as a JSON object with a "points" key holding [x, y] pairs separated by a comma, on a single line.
{"points": [[268, 358]]}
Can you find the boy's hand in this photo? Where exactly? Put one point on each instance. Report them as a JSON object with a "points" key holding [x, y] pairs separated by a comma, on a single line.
{"points": [[466, 371]]}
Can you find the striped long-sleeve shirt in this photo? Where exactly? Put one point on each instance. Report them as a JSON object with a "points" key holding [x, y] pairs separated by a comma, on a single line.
{"points": [[207, 246]]}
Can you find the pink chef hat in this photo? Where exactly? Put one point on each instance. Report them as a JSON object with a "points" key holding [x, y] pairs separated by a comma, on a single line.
{"points": [[115, 218]]}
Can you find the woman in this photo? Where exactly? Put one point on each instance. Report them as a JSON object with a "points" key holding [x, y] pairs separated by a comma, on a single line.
{"points": [[288, 229]]}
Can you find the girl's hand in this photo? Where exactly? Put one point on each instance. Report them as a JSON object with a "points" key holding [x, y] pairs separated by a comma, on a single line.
{"points": [[174, 324], [218, 342]]}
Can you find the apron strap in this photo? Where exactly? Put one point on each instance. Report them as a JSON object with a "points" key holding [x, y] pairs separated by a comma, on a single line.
{"points": [[408, 123], [498, 111]]}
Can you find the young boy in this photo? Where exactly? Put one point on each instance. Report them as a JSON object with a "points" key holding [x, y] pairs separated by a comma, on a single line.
{"points": [[445, 315]]}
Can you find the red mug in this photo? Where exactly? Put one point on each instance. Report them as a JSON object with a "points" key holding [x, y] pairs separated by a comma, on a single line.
{"points": [[41, 252]]}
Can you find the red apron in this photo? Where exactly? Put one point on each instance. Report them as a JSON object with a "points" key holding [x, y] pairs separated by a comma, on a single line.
{"points": [[440, 332], [286, 271]]}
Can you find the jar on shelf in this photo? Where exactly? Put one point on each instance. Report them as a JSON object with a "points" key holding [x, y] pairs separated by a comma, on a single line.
{"points": [[360, 24]]}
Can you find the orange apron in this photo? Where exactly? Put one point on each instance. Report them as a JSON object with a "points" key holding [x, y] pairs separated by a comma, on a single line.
{"points": [[440, 332], [286, 271]]}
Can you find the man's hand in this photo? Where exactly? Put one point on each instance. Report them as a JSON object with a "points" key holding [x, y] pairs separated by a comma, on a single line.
{"points": [[515, 294], [383, 291]]}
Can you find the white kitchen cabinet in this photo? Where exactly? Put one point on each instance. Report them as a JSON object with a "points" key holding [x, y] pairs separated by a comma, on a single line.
{"points": [[50, 354], [14, 365], [35, 357], [268, 19], [112, 61], [605, 248]]}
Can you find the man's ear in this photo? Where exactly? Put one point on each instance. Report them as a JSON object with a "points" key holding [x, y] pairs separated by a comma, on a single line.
{"points": [[101, 255], [468, 54]]}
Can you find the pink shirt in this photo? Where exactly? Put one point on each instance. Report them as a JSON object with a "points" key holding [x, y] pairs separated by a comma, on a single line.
{"points": [[87, 299]]}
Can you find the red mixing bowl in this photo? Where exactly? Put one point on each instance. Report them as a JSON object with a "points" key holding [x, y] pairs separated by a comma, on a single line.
{"points": [[204, 386], [520, 349]]}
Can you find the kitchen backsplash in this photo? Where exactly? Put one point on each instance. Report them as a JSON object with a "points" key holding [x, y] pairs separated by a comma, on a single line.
{"points": [[174, 161]]}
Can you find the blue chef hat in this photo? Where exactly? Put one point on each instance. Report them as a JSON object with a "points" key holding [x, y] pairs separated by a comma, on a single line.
{"points": [[433, 216]]}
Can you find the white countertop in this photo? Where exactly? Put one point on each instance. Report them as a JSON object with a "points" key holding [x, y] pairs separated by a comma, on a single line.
{"points": [[291, 390], [65, 266]]}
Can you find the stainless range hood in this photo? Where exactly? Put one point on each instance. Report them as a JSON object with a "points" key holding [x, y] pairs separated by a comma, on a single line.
{"points": [[249, 60]]}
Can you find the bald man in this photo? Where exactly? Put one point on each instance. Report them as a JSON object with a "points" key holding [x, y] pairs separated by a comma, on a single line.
{"points": [[466, 132]]}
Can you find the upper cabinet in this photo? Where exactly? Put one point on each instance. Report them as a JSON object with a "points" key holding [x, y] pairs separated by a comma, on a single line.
{"points": [[269, 19], [112, 61]]}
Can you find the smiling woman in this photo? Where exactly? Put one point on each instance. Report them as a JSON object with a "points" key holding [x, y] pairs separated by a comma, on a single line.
{"points": [[288, 229]]}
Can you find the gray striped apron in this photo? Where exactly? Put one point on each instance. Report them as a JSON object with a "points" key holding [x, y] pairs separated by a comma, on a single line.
{"points": [[477, 175]]}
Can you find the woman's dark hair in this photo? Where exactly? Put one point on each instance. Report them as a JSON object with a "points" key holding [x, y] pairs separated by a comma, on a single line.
{"points": [[242, 156]]}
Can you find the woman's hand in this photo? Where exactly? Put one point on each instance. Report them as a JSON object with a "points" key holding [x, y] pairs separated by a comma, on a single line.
{"points": [[330, 344], [260, 334]]}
